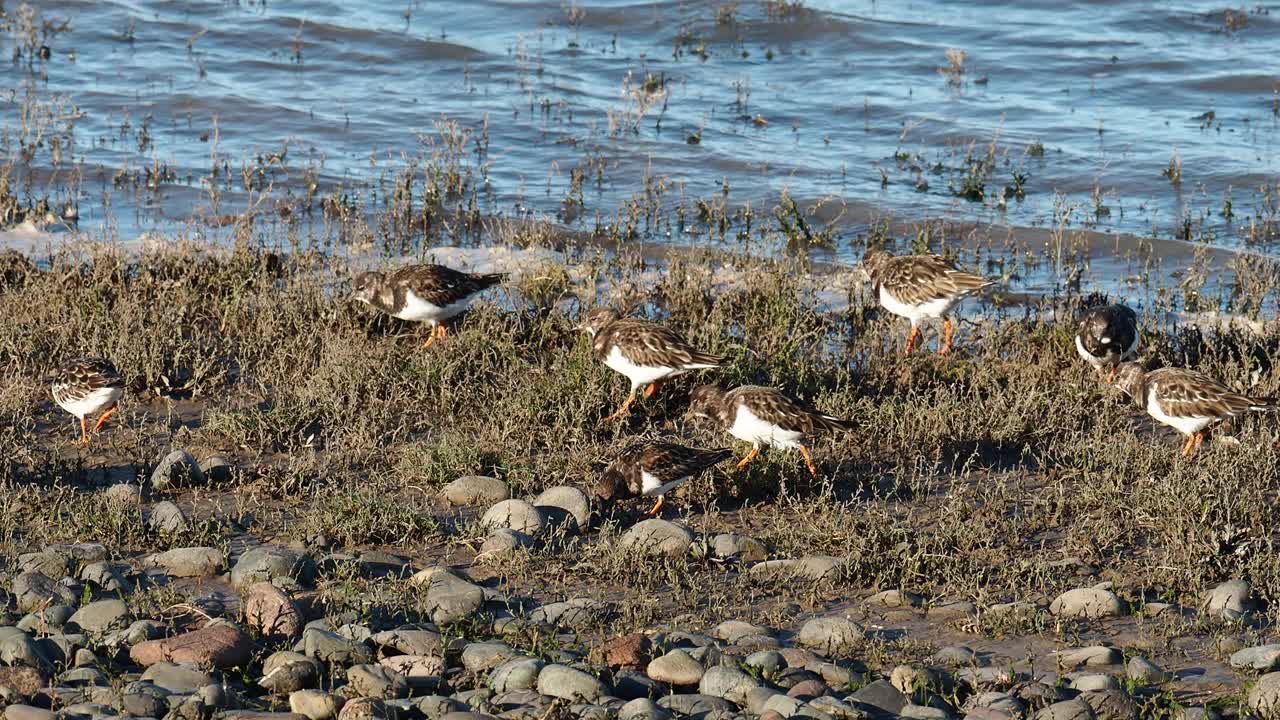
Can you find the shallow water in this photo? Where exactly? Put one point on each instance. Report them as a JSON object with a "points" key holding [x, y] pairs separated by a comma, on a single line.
{"points": [[815, 102]]}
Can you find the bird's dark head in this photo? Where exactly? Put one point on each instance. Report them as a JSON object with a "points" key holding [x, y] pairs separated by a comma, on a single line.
{"points": [[597, 319], [365, 286], [704, 403], [609, 487], [1132, 379], [872, 263]]}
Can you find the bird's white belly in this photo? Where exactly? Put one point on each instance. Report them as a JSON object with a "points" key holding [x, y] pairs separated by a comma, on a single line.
{"points": [[929, 309], [650, 485], [1088, 356], [420, 310], [748, 426], [96, 400], [639, 375], [1185, 425]]}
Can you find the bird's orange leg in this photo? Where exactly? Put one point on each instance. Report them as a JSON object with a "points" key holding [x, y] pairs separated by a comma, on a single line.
{"points": [[102, 419], [437, 333], [84, 432], [1187, 448], [622, 411], [809, 461], [911, 339], [749, 457], [1111, 376], [946, 337], [1199, 439], [653, 511], [652, 388]]}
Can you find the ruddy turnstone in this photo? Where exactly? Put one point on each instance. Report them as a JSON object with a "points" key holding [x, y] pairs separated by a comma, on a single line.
{"points": [[422, 293], [918, 287], [1186, 399], [762, 416], [646, 352], [85, 386], [1107, 335], [654, 467]]}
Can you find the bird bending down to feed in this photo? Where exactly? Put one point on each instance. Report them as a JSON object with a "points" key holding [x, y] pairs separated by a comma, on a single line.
{"points": [[919, 287], [86, 386], [422, 293], [762, 416], [1106, 336], [1187, 400], [654, 467], [647, 353]]}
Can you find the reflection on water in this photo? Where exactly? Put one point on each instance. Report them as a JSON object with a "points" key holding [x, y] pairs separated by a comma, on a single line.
{"points": [[1148, 120]]}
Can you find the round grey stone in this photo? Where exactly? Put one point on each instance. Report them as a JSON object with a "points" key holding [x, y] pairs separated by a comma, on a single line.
{"points": [[330, 647], [518, 673], [1231, 600], [286, 672], [145, 699], [177, 469], [657, 537], [101, 616], [1088, 682], [1090, 603], [642, 709], [565, 506], [766, 662], [377, 681], [217, 468], [315, 704], [20, 648], [269, 562], [480, 656], [476, 490], [810, 567], [676, 668], [503, 541], [831, 635], [107, 577], [1092, 656], [32, 590], [1067, 710], [1260, 657], [562, 681], [1264, 696], [729, 683], [179, 679], [1145, 672], [189, 561], [515, 515], [167, 518], [570, 614], [955, 656]]}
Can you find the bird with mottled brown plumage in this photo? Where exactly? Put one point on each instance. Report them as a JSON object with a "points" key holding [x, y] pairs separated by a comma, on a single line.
{"points": [[647, 468], [87, 386], [647, 353], [762, 416], [918, 287], [1187, 400], [423, 293]]}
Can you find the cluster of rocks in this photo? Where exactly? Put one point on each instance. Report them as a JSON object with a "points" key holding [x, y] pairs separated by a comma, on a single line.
{"points": [[74, 646], [513, 523]]}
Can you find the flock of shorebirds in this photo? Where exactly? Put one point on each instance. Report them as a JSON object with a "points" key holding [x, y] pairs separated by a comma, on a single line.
{"points": [[917, 287]]}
